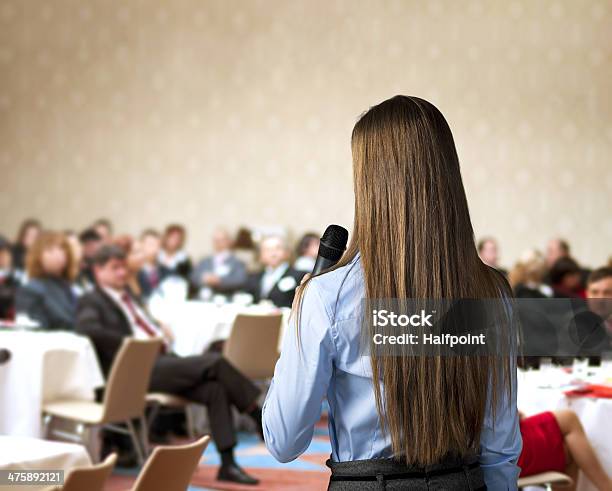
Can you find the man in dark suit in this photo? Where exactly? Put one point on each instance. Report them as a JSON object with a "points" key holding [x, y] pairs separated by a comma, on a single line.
{"points": [[109, 313], [278, 280]]}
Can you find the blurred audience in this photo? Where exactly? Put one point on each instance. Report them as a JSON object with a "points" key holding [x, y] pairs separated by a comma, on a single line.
{"points": [[173, 260], [278, 280], [28, 232], [527, 276], [149, 274], [565, 278], [48, 297], [555, 250], [245, 248], [599, 297], [221, 272], [8, 281], [488, 250], [110, 313], [306, 252], [104, 228], [90, 241]]}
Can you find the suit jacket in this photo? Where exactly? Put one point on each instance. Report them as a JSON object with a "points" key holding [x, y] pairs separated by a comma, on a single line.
{"points": [[103, 321], [8, 288], [282, 292], [234, 279], [50, 301]]}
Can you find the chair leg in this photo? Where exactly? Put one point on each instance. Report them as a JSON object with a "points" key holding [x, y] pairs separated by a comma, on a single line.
{"points": [[46, 421], [144, 432], [135, 441]]}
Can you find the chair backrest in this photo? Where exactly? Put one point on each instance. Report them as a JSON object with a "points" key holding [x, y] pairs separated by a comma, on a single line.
{"points": [[128, 382], [171, 467], [547, 480], [90, 478], [253, 344]]}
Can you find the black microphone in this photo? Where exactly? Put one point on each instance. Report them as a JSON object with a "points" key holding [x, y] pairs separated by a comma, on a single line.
{"points": [[331, 248], [5, 355]]}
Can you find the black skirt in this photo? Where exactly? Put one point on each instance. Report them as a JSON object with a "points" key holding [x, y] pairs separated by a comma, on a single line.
{"points": [[452, 474]]}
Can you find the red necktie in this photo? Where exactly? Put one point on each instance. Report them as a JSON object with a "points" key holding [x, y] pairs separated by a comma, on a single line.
{"points": [[143, 324]]}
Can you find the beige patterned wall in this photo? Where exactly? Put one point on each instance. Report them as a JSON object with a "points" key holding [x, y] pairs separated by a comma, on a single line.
{"points": [[231, 112]]}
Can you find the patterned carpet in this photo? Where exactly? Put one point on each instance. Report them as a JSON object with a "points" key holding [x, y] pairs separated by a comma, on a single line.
{"points": [[307, 473]]}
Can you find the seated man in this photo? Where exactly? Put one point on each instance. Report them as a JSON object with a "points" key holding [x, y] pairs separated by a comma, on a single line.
{"points": [[109, 313], [278, 280], [222, 272]]}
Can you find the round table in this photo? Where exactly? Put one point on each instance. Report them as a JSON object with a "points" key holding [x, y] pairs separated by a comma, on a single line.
{"points": [[197, 324], [543, 390], [25, 453], [44, 366]]}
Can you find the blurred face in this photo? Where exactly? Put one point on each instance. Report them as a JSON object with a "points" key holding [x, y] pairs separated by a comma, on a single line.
{"points": [[136, 257], [113, 274], [6, 261], [104, 232], [599, 295], [554, 251], [54, 260], [221, 241], [90, 248], [173, 241], [313, 248], [273, 252], [151, 245], [572, 281], [30, 235], [488, 254]]}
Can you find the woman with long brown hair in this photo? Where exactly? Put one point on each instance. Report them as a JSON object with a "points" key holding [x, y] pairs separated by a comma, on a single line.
{"points": [[428, 421]]}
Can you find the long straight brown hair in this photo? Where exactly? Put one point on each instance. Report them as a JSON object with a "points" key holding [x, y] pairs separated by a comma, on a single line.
{"points": [[413, 232]]}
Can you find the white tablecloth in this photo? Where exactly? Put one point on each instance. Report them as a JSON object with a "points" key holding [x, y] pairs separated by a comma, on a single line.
{"points": [[44, 366], [24, 453], [196, 324], [540, 391]]}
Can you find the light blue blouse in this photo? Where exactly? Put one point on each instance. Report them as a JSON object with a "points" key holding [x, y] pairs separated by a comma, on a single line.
{"points": [[328, 363]]}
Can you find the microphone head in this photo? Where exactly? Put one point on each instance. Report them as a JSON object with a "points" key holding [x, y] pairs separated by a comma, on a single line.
{"points": [[333, 242]]}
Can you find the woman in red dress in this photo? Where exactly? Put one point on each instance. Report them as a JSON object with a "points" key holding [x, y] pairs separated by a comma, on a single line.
{"points": [[557, 442]]}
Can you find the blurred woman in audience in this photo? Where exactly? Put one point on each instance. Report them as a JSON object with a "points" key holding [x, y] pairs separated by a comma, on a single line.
{"points": [[306, 252], [135, 260], [47, 297], [28, 232], [556, 441], [527, 276], [173, 260], [566, 278], [8, 281], [149, 275], [245, 248]]}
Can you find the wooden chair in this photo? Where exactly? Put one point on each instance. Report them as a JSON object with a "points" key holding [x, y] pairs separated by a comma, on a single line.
{"points": [[124, 397], [253, 345], [546, 480], [90, 478], [170, 468]]}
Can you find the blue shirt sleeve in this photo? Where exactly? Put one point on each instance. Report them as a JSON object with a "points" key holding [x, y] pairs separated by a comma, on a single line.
{"points": [[301, 378], [501, 442]]}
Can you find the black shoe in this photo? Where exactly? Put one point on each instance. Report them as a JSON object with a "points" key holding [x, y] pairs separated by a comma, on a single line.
{"points": [[234, 473]]}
